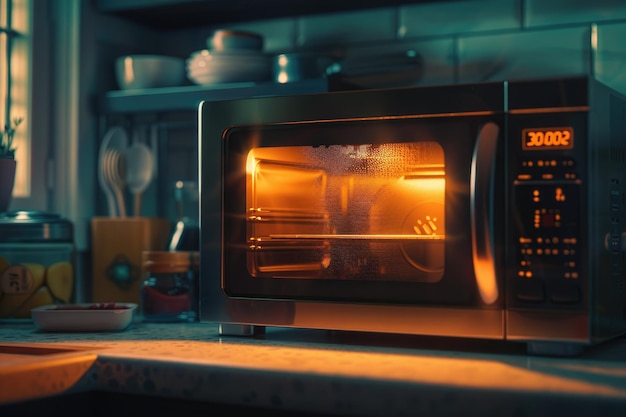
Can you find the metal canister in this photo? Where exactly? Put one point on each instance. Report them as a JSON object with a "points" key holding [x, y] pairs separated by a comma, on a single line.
{"points": [[37, 261]]}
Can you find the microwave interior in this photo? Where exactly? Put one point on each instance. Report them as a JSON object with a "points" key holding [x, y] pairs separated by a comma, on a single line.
{"points": [[359, 210], [346, 212]]}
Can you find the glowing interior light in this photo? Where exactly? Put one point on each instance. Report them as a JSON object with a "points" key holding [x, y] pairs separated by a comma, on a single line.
{"points": [[251, 163], [344, 199]]}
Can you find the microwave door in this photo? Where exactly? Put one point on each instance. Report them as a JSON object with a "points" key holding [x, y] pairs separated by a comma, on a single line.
{"points": [[366, 211], [339, 213], [482, 176]]}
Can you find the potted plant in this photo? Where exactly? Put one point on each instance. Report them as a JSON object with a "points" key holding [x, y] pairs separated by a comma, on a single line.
{"points": [[7, 163]]}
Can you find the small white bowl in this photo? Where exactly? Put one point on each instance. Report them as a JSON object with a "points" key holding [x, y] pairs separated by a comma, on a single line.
{"points": [[149, 71], [94, 317]]}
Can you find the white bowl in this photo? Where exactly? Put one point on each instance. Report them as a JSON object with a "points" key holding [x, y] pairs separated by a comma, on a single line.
{"points": [[149, 71]]}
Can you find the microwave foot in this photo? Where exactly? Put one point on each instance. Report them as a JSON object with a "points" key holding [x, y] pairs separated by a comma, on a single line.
{"points": [[233, 329], [554, 349]]}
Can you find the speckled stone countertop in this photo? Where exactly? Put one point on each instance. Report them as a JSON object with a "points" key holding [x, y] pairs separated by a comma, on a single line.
{"points": [[317, 372]]}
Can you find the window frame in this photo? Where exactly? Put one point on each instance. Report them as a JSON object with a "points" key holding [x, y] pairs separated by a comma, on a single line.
{"points": [[30, 95]]}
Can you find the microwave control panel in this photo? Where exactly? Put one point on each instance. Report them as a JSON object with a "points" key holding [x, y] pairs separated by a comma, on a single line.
{"points": [[546, 252]]}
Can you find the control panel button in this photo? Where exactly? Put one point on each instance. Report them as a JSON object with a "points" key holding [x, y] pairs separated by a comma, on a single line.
{"points": [[530, 291], [564, 293]]}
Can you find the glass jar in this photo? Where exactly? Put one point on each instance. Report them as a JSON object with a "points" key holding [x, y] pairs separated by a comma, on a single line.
{"points": [[168, 290]]}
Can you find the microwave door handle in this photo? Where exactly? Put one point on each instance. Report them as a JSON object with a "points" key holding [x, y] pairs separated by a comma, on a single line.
{"points": [[481, 205]]}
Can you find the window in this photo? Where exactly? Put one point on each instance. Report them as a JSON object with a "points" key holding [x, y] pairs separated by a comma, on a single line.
{"points": [[15, 52]]}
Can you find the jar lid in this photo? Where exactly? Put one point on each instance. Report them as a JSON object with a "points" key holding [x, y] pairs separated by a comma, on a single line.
{"points": [[166, 261], [34, 226]]}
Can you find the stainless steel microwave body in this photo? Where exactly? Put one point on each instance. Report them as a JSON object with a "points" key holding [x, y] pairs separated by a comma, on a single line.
{"points": [[492, 210]]}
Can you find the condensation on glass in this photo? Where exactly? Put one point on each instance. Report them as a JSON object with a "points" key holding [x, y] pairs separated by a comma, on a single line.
{"points": [[366, 212]]}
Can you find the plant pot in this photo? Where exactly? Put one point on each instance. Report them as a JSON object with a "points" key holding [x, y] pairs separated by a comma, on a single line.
{"points": [[7, 180]]}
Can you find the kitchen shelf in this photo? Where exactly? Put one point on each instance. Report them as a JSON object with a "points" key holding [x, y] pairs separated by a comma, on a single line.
{"points": [[187, 98], [181, 14]]}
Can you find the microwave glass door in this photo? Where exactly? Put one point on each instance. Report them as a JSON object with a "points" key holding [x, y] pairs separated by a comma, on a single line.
{"points": [[365, 210]]}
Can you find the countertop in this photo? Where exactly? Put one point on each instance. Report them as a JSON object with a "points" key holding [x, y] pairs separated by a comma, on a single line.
{"points": [[317, 372]]}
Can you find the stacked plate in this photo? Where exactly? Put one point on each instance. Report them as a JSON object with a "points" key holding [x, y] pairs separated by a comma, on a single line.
{"points": [[206, 67]]}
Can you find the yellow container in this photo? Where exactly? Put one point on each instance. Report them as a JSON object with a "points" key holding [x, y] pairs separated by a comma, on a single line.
{"points": [[117, 246], [36, 262]]}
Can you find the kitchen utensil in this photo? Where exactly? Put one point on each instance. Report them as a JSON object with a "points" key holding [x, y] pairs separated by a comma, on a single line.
{"points": [[114, 173], [115, 138], [149, 71], [139, 172]]}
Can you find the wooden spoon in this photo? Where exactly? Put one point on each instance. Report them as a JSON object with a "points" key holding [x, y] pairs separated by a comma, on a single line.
{"points": [[139, 172]]}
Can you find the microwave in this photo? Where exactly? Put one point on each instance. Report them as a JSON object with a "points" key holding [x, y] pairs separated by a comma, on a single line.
{"points": [[492, 210]]}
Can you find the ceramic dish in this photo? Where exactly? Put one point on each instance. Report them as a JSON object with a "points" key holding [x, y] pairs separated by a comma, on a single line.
{"points": [[149, 71], [93, 317], [206, 67], [235, 40]]}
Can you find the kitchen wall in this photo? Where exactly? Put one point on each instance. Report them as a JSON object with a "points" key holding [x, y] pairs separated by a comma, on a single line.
{"points": [[463, 41]]}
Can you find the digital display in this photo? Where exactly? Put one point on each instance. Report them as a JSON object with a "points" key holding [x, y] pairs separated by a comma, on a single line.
{"points": [[548, 138]]}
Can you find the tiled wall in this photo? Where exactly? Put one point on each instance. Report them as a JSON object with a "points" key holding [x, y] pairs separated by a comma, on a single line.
{"points": [[468, 41], [460, 41]]}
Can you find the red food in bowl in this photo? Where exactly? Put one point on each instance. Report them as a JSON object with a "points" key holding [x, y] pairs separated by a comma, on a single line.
{"points": [[96, 306]]}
